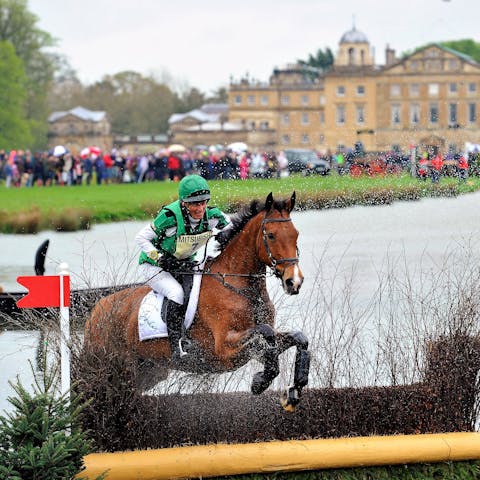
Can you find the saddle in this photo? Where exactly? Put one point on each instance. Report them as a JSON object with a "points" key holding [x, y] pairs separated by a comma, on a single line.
{"points": [[151, 314]]}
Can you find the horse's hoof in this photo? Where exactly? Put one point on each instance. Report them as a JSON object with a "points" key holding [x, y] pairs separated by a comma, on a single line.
{"points": [[289, 399]]}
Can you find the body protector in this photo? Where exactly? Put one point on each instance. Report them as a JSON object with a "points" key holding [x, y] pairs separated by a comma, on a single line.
{"points": [[175, 237]]}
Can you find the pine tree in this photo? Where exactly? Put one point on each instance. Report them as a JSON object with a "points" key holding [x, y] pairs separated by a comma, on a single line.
{"points": [[42, 438]]}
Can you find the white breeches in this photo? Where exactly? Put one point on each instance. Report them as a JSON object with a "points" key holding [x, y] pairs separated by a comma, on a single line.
{"points": [[162, 282]]}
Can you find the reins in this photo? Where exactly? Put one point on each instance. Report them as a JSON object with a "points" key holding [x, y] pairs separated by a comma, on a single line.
{"points": [[221, 277]]}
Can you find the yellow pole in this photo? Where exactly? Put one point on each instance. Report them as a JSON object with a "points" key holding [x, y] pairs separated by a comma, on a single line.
{"points": [[293, 455]]}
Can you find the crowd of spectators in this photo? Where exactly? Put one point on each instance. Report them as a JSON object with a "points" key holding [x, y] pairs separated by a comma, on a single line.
{"points": [[22, 168]]}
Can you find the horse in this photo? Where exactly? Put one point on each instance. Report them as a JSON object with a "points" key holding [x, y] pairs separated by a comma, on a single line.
{"points": [[235, 316]]}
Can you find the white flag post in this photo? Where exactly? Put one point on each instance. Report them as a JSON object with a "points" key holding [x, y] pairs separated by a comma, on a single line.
{"points": [[64, 334]]}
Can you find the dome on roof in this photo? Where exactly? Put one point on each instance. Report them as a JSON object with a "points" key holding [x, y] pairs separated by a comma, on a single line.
{"points": [[354, 36]]}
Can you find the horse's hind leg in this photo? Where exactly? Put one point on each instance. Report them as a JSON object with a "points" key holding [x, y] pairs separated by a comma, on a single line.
{"points": [[285, 340], [265, 335]]}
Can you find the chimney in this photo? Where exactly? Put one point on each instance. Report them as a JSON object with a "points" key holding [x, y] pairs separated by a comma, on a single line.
{"points": [[389, 56]]}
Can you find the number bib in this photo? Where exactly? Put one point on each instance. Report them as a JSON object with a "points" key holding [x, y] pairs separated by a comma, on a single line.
{"points": [[187, 245]]}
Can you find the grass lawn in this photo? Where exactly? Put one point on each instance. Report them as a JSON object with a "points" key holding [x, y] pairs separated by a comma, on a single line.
{"points": [[115, 202]]}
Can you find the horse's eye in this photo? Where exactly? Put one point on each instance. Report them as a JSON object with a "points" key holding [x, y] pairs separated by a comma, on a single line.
{"points": [[271, 236]]}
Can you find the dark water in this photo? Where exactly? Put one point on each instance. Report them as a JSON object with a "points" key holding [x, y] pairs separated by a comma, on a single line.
{"points": [[332, 243]]}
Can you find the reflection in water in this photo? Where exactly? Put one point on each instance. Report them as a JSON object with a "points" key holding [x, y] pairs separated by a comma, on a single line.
{"points": [[352, 260]]}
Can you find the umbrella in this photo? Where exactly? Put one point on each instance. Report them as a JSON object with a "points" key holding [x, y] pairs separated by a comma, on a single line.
{"points": [[238, 147], [59, 150], [85, 152], [94, 151], [176, 147]]}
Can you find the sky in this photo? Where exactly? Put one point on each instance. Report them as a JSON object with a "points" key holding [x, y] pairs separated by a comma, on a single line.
{"points": [[205, 43]]}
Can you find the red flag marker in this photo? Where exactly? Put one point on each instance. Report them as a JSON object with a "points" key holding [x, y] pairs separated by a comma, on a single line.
{"points": [[44, 291]]}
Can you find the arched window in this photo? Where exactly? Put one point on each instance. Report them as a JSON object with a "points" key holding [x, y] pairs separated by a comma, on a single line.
{"points": [[351, 56]]}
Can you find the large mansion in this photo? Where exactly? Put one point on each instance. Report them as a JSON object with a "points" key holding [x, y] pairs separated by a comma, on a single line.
{"points": [[430, 97]]}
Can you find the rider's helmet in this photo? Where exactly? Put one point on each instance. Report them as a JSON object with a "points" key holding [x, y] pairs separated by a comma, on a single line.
{"points": [[193, 188]]}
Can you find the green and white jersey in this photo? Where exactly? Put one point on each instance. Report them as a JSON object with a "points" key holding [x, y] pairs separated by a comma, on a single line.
{"points": [[173, 234]]}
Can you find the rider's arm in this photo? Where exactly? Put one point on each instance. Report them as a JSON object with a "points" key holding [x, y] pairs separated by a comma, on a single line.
{"points": [[144, 240]]}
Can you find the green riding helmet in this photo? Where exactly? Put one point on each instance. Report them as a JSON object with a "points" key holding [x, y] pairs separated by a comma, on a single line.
{"points": [[193, 188]]}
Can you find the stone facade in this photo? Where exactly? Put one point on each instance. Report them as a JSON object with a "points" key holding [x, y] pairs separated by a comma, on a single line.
{"points": [[429, 98], [79, 128]]}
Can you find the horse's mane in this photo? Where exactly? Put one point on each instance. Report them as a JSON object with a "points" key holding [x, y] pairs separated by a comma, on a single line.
{"points": [[242, 217]]}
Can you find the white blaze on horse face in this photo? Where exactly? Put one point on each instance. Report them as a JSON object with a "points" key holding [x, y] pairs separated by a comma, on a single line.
{"points": [[292, 281]]}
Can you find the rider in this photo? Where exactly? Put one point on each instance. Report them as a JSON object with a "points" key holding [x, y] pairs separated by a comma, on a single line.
{"points": [[170, 243]]}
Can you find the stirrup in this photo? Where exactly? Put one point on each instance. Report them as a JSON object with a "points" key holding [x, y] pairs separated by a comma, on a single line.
{"points": [[183, 351]]}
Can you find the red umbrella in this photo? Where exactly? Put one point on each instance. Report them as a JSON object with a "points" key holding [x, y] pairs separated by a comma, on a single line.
{"points": [[85, 152]]}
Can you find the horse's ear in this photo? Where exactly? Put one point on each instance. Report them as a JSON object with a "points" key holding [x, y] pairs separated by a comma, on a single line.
{"points": [[269, 202], [291, 202]]}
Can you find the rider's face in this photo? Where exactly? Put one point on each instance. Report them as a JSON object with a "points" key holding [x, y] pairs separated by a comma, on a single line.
{"points": [[196, 209]]}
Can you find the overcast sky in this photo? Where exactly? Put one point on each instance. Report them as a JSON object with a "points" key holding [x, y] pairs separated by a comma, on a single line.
{"points": [[202, 43]]}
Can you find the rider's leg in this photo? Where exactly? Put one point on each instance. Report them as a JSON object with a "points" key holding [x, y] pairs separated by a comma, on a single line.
{"points": [[174, 308]]}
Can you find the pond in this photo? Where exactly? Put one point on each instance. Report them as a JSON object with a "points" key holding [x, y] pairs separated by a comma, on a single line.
{"points": [[344, 250]]}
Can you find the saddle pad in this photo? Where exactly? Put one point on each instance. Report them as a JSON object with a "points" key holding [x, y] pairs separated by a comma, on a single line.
{"points": [[150, 322]]}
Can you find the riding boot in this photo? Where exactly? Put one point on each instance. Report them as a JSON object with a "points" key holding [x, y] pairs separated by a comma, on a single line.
{"points": [[175, 314]]}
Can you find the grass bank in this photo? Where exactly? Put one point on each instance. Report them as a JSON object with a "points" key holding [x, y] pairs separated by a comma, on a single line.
{"points": [[29, 210]]}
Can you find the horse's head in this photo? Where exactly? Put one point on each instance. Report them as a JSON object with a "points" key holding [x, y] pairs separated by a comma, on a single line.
{"points": [[278, 243]]}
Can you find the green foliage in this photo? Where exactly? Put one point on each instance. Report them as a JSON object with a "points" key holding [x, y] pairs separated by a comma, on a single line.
{"points": [[14, 128], [323, 59], [42, 438], [467, 46], [19, 27]]}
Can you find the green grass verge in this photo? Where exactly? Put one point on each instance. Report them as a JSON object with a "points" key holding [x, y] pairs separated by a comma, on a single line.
{"points": [[119, 202], [437, 471]]}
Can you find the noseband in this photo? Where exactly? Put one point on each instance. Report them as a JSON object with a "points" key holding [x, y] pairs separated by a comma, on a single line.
{"points": [[276, 261]]}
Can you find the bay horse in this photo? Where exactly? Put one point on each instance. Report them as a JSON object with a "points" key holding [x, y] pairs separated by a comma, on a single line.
{"points": [[235, 317]]}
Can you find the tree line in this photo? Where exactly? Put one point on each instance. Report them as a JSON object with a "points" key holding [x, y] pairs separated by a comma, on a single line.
{"points": [[35, 82]]}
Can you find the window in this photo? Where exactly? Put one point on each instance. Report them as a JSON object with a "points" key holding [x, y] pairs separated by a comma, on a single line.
{"points": [[286, 139], [286, 119], [414, 89], [264, 99], [414, 65], [453, 64], [395, 114], [251, 99], [472, 112], [340, 91], [452, 88], [395, 90], [433, 109], [340, 115], [452, 114], [472, 87], [264, 125], [304, 100], [305, 138], [285, 100], [237, 100], [321, 118], [360, 90], [305, 119], [433, 89], [360, 114], [414, 114], [321, 139], [322, 99]]}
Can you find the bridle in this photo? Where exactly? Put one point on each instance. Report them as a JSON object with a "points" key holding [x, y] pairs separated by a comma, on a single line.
{"points": [[276, 261]]}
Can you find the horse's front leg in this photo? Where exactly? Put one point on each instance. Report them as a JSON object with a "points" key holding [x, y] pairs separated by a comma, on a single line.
{"points": [[263, 340], [285, 340]]}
